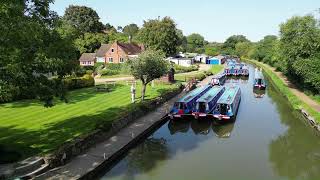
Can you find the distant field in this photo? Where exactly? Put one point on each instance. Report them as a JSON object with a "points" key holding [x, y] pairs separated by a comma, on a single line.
{"points": [[30, 128]]}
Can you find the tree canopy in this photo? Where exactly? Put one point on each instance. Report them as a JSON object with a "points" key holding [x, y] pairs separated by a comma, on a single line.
{"points": [[148, 66], [160, 35], [131, 30], [83, 18], [30, 49], [230, 43], [195, 43]]}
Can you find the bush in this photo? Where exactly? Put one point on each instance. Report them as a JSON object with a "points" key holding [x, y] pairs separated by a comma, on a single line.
{"points": [[108, 72], [89, 72], [183, 69], [79, 82]]}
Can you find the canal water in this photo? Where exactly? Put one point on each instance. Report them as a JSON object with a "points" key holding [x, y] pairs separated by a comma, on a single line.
{"points": [[267, 141]]}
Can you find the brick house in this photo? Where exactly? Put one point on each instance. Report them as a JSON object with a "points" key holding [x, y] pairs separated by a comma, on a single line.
{"points": [[87, 59], [118, 52]]}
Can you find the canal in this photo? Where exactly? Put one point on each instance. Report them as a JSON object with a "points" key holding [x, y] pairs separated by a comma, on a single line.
{"points": [[267, 141]]}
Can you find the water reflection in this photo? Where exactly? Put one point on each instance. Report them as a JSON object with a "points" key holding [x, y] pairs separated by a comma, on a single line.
{"points": [[223, 131], [296, 153], [258, 93], [201, 127], [238, 79]]}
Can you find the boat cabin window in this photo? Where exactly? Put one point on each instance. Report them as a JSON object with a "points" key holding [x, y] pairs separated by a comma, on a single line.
{"points": [[223, 108], [202, 107], [179, 105]]}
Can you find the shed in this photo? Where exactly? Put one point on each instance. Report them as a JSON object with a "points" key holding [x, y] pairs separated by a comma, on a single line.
{"points": [[214, 61]]}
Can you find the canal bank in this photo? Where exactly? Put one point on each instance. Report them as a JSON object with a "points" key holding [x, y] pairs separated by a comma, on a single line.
{"points": [[267, 141], [301, 102]]}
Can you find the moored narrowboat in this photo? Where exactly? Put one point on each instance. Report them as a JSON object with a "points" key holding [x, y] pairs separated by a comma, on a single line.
{"points": [[259, 81], [218, 79], [228, 104], [244, 70], [206, 103], [184, 106]]}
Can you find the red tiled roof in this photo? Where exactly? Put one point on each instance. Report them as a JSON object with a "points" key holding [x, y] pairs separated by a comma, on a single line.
{"points": [[103, 50], [130, 48]]}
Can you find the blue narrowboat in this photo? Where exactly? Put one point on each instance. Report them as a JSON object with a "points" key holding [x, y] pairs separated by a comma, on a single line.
{"points": [[259, 81], [219, 79], [206, 103], [184, 106], [228, 104]]}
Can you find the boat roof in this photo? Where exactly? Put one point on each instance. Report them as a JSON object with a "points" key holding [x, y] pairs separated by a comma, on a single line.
{"points": [[258, 75], [209, 95], [193, 93], [229, 95]]}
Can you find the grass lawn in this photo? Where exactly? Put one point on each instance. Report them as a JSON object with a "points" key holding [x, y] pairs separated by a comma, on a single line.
{"points": [[216, 68], [30, 128]]}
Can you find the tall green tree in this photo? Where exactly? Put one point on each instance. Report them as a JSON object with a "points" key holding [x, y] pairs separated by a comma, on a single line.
{"points": [[230, 44], [183, 42], [195, 43], [83, 18], [299, 38], [30, 48], [160, 35], [131, 30], [242, 49], [148, 66], [90, 42]]}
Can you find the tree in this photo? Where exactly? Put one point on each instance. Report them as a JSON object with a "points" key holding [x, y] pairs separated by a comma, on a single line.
{"points": [[195, 42], [83, 18], [160, 35], [213, 49], [119, 28], [299, 39], [109, 27], [130, 30], [243, 49], [183, 42], [230, 43], [264, 49], [30, 48], [90, 42], [148, 66]]}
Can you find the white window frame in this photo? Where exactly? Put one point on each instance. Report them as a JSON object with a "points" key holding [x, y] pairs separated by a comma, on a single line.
{"points": [[121, 59], [110, 58]]}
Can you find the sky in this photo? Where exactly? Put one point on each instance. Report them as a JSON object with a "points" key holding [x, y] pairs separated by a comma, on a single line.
{"points": [[213, 19]]}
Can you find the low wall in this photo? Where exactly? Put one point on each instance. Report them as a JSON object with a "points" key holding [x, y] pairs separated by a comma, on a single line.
{"points": [[79, 145]]}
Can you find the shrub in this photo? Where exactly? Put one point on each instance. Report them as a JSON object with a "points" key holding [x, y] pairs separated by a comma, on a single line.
{"points": [[108, 72], [89, 72], [79, 82], [183, 69]]}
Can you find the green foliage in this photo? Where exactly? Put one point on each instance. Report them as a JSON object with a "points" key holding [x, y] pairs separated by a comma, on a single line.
{"points": [[108, 72], [213, 50], [131, 30], [78, 82], [242, 49], [84, 19], [230, 43], [90, 42], [89, 72], [183, 42], [216, 68], [116, 36], [148, 66], [160, 35], [31, 47], [183, 69], [195, 43]]}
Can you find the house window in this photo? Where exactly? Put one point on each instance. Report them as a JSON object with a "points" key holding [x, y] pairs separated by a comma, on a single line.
{"points": [[112, 50], [84, 62], [110, 60], [89, 62], [121, 60]]}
